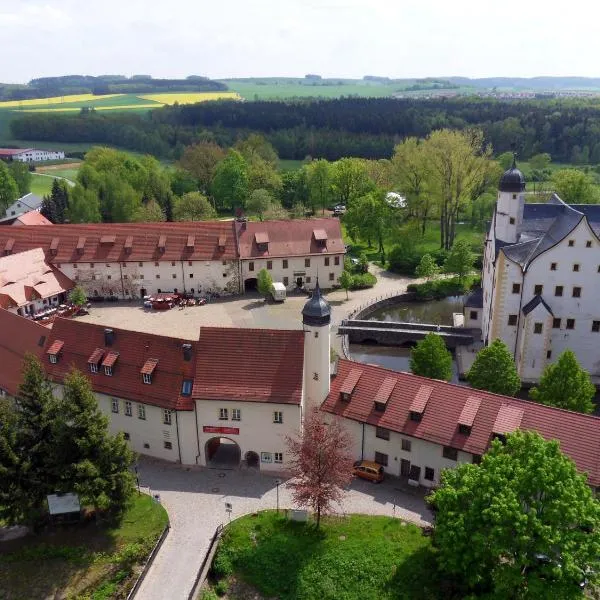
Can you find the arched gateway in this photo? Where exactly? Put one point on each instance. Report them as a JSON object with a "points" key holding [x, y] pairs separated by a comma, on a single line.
{"points": [[222, 453]]}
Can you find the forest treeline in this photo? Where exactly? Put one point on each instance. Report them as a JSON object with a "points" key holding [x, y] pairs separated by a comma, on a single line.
{"points": [[568, 130]]}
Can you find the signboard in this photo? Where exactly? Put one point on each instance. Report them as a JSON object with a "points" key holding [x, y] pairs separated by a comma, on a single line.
{"points": [[227, 430], [61, 504], [299, 515], [266, 457]]}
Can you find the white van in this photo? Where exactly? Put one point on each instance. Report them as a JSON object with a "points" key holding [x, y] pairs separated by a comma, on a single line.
{"points": [[278, 291]]}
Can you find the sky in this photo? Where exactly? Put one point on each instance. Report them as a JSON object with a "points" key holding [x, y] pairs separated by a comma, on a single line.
{"points": [[333, 38]]}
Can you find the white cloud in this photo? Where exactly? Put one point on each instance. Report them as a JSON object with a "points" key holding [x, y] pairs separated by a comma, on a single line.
{"points": [[398, 38]]}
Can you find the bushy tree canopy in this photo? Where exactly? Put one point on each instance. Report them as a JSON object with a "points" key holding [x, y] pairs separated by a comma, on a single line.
{"points": [[494, 370], [430, 358]]}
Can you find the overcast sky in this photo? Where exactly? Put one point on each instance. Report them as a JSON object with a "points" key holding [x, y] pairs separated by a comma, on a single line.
{"points": [[339, 38]]}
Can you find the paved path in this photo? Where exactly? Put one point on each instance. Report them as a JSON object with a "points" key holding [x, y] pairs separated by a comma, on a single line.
{"points": [[195, 500]]}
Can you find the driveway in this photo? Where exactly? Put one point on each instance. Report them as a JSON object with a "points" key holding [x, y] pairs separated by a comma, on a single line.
{"points": [[195, 500]]}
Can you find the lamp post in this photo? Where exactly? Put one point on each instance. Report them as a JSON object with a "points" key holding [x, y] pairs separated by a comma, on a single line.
{"points": [[277, 484]]}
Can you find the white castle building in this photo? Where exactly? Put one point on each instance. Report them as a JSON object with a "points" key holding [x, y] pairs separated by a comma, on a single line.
{"points": [[540, 280]]}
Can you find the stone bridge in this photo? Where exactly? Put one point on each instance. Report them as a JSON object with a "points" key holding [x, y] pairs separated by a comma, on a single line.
{"points": [[391, 333]]}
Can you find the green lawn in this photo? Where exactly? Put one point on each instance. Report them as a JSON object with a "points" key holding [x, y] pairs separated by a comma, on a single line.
{"points": [[86, 561], [40, 184], [352, 558], [290, 165]]}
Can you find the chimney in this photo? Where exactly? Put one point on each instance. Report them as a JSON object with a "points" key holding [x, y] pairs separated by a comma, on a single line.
{"points": [[109, 337], [187, 352]]}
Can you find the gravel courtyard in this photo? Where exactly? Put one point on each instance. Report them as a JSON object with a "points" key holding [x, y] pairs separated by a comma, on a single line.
{"points": [[195, 500]]}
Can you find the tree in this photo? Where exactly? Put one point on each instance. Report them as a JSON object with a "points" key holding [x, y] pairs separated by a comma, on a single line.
{"points": [[565, 384], [346, 281], [9, 191], [78, 297], [97, 464], [84, 206], [460, 259], [350, 180], [320, 463], [230, 183], [22, 176], [494, 370], [256, 146], [540, 162], [259, 202], [193, 206], [505, 160], [150, 212], [201, 161], [427, 268], [574, 186], [523, 523], [264, 281], [318, 180], [430, 358]]}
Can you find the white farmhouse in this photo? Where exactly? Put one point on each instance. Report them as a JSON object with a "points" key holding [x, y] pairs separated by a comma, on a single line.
{"points": [[24, 204], [30, 154], [540, 280]]}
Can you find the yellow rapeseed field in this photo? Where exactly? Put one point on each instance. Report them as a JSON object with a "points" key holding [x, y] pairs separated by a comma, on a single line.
{"points": [[55, 100], [190, 97], [77, 109]]}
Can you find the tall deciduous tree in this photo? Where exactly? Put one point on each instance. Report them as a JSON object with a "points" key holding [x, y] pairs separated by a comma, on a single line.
{"points": [[575, 186], [427, 267], [193, 206], [9, 191], [430, 358], [565, 384], [460, 259], [521, 524], [264, 281], [346, 281], [84, 206], [78, 297], [494, 370], [22, 176], [350, 180], [201, 160], [149, 212], [259, 202], [318, 178], [230, 183], [320, 463]]}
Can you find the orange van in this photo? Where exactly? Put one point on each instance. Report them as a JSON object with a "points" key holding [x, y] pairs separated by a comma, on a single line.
{"points": [[369, 470]]}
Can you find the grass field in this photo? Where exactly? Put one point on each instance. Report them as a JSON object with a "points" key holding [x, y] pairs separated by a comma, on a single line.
{"points": [[371, 558], [85, 561], [290, 165], [41, 185]]}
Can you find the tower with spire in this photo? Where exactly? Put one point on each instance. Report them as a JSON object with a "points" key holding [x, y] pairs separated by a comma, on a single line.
{"points": [[316, 322], [510, 203]]}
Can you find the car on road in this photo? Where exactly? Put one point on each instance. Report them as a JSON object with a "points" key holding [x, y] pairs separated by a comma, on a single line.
{"points": [[369, 470]]}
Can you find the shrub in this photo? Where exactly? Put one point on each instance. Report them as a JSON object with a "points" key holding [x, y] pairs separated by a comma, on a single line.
{"points": [[441, 288], [208, 595], [362, 281], [221, 587], [404, 259], [222, 566]]}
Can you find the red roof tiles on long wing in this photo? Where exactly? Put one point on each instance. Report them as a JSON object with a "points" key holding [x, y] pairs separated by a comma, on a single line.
{"points": [[253, 365], [578, 434], [508, 420], [319, 234]]}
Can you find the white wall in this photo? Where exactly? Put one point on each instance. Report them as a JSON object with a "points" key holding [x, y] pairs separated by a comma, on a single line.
{"points": [[257, 432], [317, 365], [296, 268]]}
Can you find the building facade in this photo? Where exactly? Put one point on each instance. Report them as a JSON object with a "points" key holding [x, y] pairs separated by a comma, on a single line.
{"points": [[540, 280], [24, 204], [30, 154]]}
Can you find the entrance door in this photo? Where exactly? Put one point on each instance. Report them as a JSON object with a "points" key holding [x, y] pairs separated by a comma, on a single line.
{"points": [[299, 282], [143, 292], [404, 467], [415, 473]]}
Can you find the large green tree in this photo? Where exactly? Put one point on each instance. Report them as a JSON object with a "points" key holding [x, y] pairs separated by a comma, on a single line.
{"points": [[350, 180], [193, 206], [494, 370], [201, 160], [149, 212], [264, 282], [22, 176], [522, 524], [575, 186], [259, 202], [430, 358], [9, 191], [230, 182], [565, 384], [427, 267], [459, 260], [318, 180], [84, 206]]}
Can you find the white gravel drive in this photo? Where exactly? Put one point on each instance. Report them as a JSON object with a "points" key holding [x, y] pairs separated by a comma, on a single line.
{"points": [[195, 500]]}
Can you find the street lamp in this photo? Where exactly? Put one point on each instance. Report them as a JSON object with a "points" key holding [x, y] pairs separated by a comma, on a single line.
{"points": [[277, 483]]}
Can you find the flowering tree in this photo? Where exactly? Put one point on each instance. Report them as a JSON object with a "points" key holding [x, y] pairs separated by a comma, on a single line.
{"points": [[321, 463]]}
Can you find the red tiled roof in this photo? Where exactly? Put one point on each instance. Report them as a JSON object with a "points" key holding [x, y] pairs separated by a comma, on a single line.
{"points": [[578, 434], [18, 336], [95, 356], [469, 411], [131, 241], [110, 359], [508, 420], [261, 237], [290, 238], [421, 398], [320, 234], [385, 390], [56, 347], [350, 382], [13, 151], [254, 365], [134, 348], [149, 366], [33, 217]]}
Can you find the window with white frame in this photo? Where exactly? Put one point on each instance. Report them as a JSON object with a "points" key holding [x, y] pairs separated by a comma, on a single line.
{"points": [[141, 412], [147, 378], [127, 408], [277, 416], [278, 457], [166, 416], [93, 367], [236, 414], [52, 358], [115, 405], [223, 414], [108, 371]]}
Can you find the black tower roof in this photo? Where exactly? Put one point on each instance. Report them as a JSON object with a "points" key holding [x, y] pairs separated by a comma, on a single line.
{"points": [[317, 310], [512, 180]]}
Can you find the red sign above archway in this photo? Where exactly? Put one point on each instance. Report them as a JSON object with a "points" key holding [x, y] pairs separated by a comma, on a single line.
{"points": [[225, 430]]}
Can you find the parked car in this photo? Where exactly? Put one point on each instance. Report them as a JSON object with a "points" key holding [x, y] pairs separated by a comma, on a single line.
{"points": [[369, 470], [340, 209]]}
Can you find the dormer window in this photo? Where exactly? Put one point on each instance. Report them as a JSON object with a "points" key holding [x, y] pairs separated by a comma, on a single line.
{"points": [[53, 358], [148, 369], [262, 241], [147, 378], [416, 416], [221, 243], [349, 384], [109, 361], [383, 394], [320, 236], [186, 387], [54, 351], [464, 429], [108, 371], [93, 367], [344, 396], [468, 414], [419, 403]]}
